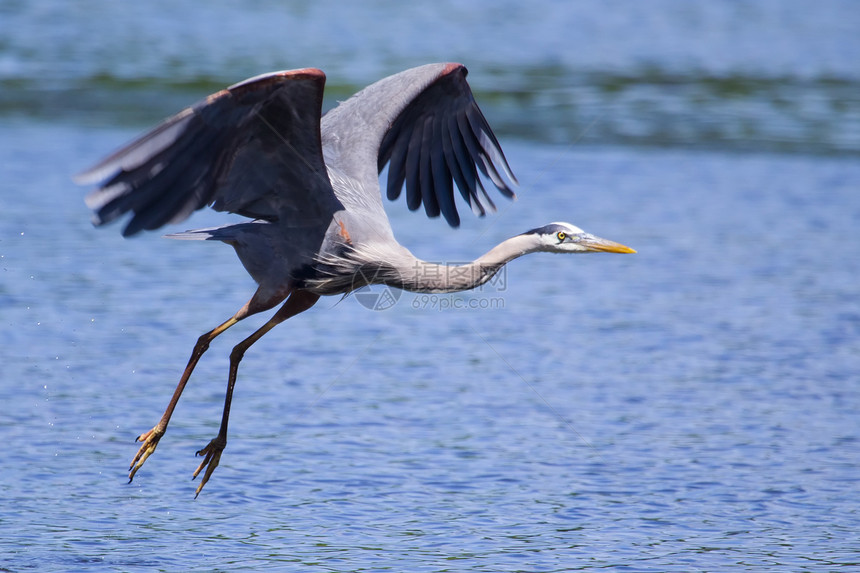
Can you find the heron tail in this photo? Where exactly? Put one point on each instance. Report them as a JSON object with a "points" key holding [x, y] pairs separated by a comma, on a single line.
{"points": [[210, 234], [226, 233]]}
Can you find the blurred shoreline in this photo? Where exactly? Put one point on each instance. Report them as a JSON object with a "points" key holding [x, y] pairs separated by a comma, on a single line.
{"points": [[776, 76]]}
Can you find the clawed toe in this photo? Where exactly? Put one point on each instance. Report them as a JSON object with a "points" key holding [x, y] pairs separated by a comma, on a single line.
{"points": [[150, 442], [212, 453]]}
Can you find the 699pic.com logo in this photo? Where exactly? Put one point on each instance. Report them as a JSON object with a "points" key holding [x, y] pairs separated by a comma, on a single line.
{"points": [[374, 296]]}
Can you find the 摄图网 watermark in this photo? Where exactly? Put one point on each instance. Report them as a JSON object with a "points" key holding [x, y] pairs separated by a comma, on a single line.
{"points": [[483, 297]]}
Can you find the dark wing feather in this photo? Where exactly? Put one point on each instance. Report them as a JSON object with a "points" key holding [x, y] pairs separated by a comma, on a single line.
{"points": [[462, 169], [425, 124], [252, 149], [412, 168], [449, 96], [428, 190], [444, 189]]}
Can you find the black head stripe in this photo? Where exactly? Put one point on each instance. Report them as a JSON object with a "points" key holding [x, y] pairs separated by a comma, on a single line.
{"points": [[550, 229]]}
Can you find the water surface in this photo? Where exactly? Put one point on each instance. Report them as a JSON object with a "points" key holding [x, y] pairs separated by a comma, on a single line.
{"points": [[691, 407]]}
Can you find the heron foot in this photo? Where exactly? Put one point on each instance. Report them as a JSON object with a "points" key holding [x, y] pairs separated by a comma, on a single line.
{"points": [[212, 453], [150, 441]]}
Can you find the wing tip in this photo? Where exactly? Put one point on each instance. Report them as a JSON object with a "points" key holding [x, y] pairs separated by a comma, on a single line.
{"points": [[98, 173], [83, 177]]}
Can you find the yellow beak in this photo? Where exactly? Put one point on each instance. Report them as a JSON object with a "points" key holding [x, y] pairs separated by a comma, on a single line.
{"points": [[606, 246]]}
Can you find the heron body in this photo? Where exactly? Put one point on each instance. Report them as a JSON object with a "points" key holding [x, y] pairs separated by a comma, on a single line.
{"points": [[308, 184]]}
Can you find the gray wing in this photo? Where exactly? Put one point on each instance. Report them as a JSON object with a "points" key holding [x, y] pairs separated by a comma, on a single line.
{"points": [[426, 124], [252, 149]]}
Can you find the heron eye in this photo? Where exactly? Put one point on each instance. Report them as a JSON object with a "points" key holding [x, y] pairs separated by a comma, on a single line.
{"points": [[561, 235]]}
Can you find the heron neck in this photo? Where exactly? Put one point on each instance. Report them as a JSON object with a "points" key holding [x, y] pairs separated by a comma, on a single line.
{"points": [[443, 278]]}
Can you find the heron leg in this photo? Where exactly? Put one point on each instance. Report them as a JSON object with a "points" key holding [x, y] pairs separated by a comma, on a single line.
{"points": [[298, 302], [150, 439]]}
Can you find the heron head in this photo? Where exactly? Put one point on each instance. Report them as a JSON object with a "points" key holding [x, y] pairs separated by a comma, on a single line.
{"points": [[567, 238]]}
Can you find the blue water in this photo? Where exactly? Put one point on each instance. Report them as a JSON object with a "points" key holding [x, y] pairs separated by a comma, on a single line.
{"points": [[695, 406]]}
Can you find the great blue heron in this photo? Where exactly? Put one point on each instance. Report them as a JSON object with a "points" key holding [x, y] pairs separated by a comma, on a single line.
{"points": [[309, 185]]}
